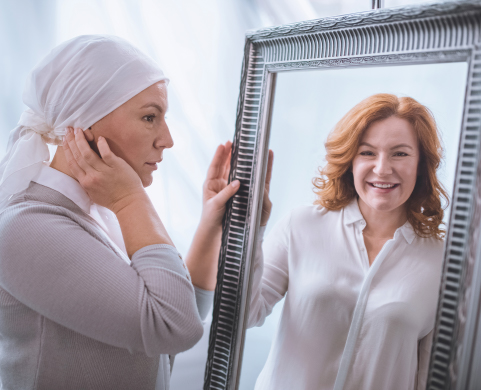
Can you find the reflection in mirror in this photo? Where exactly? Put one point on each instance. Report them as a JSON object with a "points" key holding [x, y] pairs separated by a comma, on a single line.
{"points": [[302, 343]]}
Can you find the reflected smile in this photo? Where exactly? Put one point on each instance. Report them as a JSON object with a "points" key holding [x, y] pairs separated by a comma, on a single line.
{"points": [[383, 185]]}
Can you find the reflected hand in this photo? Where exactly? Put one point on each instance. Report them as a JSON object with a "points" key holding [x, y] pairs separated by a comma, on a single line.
{"points": [[216, 192], [267, 204]]}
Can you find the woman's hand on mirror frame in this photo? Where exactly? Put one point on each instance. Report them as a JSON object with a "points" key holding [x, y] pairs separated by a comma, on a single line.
{"points": [[111, 182], [203, 254], [202, 258], [216, 192]]}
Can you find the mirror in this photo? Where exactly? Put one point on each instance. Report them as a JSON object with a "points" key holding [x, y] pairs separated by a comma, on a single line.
{"points": [[297, 82], [307, 106]]}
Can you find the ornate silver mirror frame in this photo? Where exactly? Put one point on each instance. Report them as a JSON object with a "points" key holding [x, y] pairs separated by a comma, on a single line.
{"points": [[434, 33]]}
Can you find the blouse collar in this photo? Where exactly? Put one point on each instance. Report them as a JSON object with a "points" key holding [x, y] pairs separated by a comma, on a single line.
{"points": [[66, 185], [352, 215]]}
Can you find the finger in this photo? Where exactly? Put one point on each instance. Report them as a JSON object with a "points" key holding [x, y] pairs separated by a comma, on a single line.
{"points": [[266, 208], [216, 167], [91, 158], [266, 202], [228, 151], [270, 162], [77, 154], [75, 169], [228, 192], [227, 165], [108, 156]]}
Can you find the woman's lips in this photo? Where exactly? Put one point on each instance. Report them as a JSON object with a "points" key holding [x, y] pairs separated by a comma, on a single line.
{"points": [[152, 165], [383, 187]]}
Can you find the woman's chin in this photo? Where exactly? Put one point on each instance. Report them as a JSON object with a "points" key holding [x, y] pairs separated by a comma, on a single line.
{"points": [[146, 180], [385, 206]]}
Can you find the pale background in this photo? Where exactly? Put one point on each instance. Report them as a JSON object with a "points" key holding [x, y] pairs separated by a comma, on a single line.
{"points": [[199, 44]]}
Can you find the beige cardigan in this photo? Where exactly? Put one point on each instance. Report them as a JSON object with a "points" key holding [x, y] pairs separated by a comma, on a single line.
{"points": [[74, 315]]}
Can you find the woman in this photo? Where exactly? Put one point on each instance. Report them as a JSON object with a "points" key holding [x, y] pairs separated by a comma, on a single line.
{"points": [[93, 293], [361, 268]]}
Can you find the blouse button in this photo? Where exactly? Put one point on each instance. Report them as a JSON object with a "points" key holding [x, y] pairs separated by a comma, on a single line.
{"points": [[363, 223]]}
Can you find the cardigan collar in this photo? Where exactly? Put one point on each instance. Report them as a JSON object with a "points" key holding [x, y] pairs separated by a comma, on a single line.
{"points": [[64, 184]]}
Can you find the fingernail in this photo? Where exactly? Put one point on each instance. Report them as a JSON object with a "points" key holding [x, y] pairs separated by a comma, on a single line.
{"points": [[235, 183], [76, 131]]}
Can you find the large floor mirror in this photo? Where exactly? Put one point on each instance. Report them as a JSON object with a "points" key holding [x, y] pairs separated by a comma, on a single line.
{"points": [[298, 82], [306, 107]]}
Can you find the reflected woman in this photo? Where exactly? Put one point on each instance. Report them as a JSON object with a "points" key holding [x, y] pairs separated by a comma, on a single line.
{"points": [[361, 268]]}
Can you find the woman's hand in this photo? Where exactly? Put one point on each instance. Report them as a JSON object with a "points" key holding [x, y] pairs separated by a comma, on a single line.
{"points": [[267, 204], [202, 259], [216, 192], [109, 181]]}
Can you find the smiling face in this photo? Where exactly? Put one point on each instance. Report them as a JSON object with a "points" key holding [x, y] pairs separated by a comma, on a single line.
{"points": [[137, 132], [386, 164]]}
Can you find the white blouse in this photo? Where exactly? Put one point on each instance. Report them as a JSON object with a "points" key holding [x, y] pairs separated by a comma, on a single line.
{"points": [[345, 324]]}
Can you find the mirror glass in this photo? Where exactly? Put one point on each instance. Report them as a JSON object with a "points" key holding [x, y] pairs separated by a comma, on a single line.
{"points": [[307, 105]]}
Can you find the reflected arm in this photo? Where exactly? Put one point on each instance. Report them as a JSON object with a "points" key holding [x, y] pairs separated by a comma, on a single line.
{"points": [[271, 277], [424, 352]]}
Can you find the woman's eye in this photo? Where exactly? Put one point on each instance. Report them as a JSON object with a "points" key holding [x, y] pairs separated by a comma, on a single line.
{"points": [[400, 154], [149, 118], [366, 153]]}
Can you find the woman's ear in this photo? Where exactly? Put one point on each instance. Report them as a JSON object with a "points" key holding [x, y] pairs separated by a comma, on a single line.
{"points": [[89, 135]]}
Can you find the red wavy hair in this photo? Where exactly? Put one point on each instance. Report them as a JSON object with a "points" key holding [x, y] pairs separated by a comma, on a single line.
{"points": [[334, 186]]}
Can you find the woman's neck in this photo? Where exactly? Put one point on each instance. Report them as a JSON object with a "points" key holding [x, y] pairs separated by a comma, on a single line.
{"points": [[59, 162], [382, 224]]}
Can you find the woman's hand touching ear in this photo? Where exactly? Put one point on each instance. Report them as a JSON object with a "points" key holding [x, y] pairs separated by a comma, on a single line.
{"points": [[109, 180]]}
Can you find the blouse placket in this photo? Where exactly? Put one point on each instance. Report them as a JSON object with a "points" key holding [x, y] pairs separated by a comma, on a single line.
{"points": [[361, 303], [361, 245]]}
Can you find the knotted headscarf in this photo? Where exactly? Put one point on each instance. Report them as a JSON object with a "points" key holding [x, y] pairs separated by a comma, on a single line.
{"points": [[76, 84]]}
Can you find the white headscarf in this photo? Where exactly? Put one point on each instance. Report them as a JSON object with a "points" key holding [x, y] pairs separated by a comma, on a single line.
{"points": [[76, 84]]}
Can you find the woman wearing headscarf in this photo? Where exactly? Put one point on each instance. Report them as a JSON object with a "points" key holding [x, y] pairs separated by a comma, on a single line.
{"points": [[93, 293]]}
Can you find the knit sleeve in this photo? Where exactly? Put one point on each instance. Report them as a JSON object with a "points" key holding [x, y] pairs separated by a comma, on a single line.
{"points": [[63, 271]]}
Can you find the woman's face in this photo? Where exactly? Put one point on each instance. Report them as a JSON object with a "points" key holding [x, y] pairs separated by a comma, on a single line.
{"points": [[386, 164], [137, 131]]}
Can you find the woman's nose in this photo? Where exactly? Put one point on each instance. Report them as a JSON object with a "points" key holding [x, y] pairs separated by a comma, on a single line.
{"points": [[164, 140], [170, 140], [382, 166]]}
